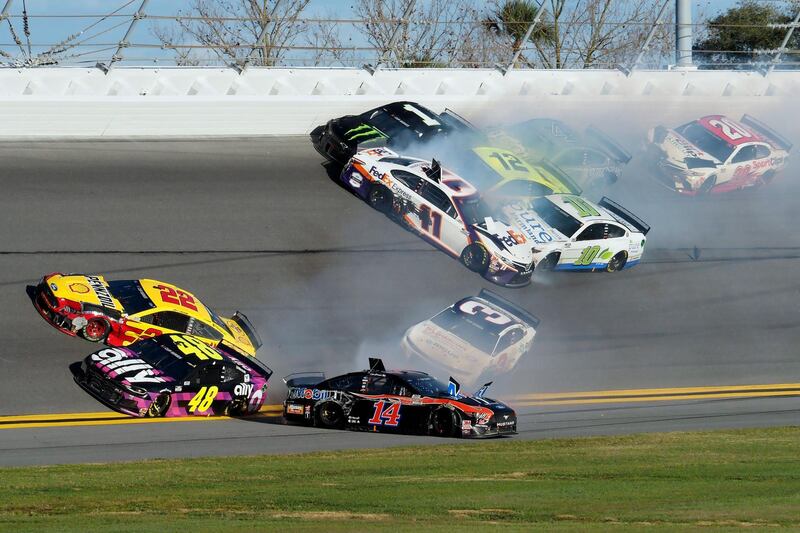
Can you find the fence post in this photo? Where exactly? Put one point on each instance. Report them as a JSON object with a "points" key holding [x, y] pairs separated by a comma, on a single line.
{"points": [[683, 33], [782, 49], [259, 41], [395, 34], [140, 14], [646, 46], [527, 36]]}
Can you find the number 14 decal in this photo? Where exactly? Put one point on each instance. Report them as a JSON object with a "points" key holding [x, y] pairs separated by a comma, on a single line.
{"points": [[390, 415]]}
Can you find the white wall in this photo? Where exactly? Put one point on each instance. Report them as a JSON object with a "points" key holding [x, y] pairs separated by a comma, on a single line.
{"points": [[78, 102]]}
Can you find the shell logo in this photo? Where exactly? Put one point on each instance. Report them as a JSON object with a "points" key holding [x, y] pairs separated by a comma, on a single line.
{"points": [[79, 288]]}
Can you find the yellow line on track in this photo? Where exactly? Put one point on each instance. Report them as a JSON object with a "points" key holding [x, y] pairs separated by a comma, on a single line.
{"points": [[524, 400]]}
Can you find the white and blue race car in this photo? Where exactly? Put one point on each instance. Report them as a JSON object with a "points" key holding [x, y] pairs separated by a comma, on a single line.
{"points": [[568, 232]]}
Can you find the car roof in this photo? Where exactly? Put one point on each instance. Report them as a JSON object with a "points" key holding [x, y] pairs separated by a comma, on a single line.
{"points": [[451, 184], [537, 173], [710, 123]]}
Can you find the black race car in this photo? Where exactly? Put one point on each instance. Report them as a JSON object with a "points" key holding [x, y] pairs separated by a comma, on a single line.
{"points": [[398, 401], [398, 125], [174, 375]]}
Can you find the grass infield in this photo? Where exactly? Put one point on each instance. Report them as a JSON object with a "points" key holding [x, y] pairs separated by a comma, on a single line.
{"points": [[721, 479]]}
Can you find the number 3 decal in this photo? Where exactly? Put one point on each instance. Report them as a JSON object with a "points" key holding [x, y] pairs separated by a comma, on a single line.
{"points": [[471, 307]]}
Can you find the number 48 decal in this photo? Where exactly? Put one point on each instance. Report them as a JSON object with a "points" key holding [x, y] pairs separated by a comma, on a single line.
{"points": [[390, 415], [202, 401]]}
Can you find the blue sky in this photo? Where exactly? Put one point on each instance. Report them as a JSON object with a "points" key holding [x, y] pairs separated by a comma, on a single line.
{"points": [[46, 30]]}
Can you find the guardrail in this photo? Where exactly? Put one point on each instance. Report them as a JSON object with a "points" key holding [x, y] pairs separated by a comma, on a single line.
{"points": [[157, 102]]}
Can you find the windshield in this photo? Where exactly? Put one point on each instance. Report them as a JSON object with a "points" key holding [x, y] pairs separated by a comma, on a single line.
{"points": [[427, 385], [164, 359], [463, 326], [131, 295], [218, 321], [556, 217], [705, 140], [474, 211]]}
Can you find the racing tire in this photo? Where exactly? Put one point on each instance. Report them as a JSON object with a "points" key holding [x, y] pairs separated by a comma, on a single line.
{"points": [[617, 262], [160, 406], [445, 423], [707, 185], [767, 177], [549, 262], [96, 330], [380, 198], [475, 257], [330, 415]]}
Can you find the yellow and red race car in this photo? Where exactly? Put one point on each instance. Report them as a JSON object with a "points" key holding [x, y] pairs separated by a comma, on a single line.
{"points": [[119, 313]]}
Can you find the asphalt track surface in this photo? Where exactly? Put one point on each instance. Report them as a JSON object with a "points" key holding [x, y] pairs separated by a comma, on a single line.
{"points": [[257, 225]]}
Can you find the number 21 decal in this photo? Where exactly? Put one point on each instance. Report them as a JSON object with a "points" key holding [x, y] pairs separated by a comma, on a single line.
{"points": [[389, 416]]}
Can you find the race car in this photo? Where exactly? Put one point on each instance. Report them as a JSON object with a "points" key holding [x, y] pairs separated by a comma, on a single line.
{"points": [[400, 125], [442, 208], [592, 158], [716, 154], [571, 233], [502, 176], [398, 401], [174, 375], [119, 313], [478, 337]]}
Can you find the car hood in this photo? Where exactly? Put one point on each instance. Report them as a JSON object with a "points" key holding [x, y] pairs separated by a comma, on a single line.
{"points": [[84, 289], [532, 226], [124, 367], [453, 353], [680, 150]]}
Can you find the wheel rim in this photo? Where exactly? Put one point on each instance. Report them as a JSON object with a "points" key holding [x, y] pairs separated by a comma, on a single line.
{"points": [[329, 415], [442, 423], [95, 329], [159, 406], [615, 263]]}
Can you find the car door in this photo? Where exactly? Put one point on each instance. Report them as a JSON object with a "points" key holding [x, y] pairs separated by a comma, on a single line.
{"points": [[380, 409], [201, 397], [508, 350], [593, 246], [152, 323], [740, 166]]}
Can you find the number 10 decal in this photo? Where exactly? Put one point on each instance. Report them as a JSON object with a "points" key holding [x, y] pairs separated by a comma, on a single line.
{"points": [[588, 255], [389, 416], [431, 220]]}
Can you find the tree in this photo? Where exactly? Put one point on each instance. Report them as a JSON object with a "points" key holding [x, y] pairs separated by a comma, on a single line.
{"points": [[576, 33], [742, 36], [237, 31]]}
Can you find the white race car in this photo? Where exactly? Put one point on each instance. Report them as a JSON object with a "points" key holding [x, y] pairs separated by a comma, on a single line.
{"points": [[716, 154], [571, 233], [444, 209], [477, 337]]}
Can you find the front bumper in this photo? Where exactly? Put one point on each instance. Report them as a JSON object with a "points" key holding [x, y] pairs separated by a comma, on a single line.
{"points": [[329, 145], [510, 278], [493, 429], [42, 303], [109, 394]]}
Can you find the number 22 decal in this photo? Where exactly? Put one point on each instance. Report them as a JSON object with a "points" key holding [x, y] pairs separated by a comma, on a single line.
{"points": [[390, 416], [176, 297]]}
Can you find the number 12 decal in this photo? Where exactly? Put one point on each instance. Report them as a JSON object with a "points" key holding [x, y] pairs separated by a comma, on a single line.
{"points": [[390, 416], [431, 220]]}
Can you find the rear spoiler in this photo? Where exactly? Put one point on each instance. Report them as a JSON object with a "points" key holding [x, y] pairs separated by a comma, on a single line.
{"points": [[768, 132], [248, 328], [512, 308], [624, 214], [617, 151], [304, 379], [561, 175]]}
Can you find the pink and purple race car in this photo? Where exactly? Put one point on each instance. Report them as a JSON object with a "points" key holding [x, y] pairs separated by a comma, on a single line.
{"points": [[174, 375]]}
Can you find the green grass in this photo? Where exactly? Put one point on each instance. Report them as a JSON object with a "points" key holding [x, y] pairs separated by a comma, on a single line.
{"points": [[726, 479]]}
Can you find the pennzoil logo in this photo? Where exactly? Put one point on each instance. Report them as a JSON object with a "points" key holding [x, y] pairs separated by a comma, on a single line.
{"points": [[101, 291], [78, 288]]}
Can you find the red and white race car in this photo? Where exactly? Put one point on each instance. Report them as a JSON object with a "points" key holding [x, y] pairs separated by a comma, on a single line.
{"points": [[717, 154]]}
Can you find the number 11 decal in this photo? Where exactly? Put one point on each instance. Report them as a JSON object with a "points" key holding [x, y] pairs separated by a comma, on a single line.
{"points": [[390, 416], [431, 220]]}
